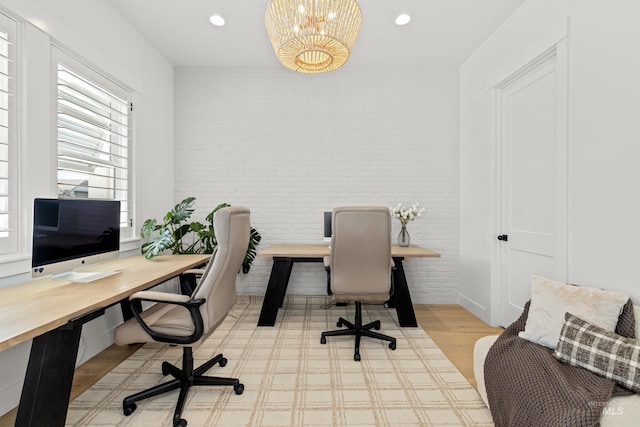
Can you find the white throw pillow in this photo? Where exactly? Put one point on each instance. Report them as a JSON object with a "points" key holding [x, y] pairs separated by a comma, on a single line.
{"points": [[550, 300]]}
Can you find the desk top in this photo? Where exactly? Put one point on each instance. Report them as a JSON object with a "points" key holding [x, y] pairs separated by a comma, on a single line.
{"points": [[33, 308], [322, 250]]}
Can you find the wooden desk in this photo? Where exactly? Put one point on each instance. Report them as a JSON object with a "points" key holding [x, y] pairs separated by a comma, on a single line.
{"points": [[284, 256], [52, 312]]}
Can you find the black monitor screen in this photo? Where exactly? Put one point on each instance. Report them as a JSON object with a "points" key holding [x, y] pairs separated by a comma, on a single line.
{"points": [[65, 229]]}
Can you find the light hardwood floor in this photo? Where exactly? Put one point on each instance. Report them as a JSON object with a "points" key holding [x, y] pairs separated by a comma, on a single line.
{"points": [[455, 331], [451, 327]]}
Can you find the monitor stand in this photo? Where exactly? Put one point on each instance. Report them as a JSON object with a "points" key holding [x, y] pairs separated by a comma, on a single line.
{"points": [[84, 276]]}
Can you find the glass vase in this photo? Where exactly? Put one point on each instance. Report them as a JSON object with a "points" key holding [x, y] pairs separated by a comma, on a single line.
{"points": [[403, 237]]}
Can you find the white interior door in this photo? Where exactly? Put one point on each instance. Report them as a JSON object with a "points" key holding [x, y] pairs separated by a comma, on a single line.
{"points": [[532, 235]]}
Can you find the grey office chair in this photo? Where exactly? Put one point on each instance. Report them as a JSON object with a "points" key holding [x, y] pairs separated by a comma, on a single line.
{"points": [[186, 320], [360, 267]]}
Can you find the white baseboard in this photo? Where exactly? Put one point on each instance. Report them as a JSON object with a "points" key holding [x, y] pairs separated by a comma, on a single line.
{"points": [[475, 308], [10, 396], [13, 366]]}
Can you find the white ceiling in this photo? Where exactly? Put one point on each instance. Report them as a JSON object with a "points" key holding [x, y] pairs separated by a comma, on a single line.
{"points": [[441, 33]]}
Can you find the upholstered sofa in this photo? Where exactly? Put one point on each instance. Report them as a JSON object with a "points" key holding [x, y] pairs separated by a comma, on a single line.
{"points": [[619, 412]]}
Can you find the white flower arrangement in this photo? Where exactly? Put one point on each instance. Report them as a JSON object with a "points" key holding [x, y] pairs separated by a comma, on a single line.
{"points": [[406, 214]]}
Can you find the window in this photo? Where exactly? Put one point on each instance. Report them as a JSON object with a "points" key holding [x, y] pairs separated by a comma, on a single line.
{"points": [[94, 137], [8, 140]]}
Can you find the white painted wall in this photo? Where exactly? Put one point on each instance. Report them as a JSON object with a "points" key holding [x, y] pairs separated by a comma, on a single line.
{"points": [[604, 213], [290, 146], [95, 33]]}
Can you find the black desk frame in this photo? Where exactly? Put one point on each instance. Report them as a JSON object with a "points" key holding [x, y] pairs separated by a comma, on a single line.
{"points": [[54, 351], [45, 397], [43, 393], [279, 281]]}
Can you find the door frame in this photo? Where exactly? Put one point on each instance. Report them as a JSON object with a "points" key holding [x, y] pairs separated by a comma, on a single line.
{"points": [[559, 49]]}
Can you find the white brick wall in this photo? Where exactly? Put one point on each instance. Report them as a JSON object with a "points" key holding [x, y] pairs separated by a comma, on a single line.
{"points": [[290, 146]]}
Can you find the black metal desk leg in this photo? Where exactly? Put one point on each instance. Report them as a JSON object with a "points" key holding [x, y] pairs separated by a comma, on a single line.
{"points": [[276, 289], [47, 385], [401, 296], [125, 307]]}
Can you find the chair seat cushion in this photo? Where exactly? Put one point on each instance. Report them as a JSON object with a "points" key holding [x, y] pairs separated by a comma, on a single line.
{"points": [[162, 318]]}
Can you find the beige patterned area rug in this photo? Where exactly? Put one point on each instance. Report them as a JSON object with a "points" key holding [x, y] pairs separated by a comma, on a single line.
{"points": [[292, 380]]}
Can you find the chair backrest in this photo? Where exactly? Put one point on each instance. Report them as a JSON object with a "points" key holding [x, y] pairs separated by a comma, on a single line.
{"points": [[360, 261], [217, 285]]}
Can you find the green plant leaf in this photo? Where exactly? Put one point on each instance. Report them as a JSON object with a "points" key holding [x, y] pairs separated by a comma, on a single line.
{"points": [[207, 238], [181, 231], [160, 243], [183, 210], [178, 237], [254, 240], [196, 226], [148, 227]]}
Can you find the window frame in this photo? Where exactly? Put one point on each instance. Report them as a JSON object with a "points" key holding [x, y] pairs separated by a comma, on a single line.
{"points": [[10, 239], [92, 74]]}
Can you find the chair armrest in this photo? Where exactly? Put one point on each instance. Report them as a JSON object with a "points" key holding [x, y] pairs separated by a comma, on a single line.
{"points": [[174, 299], [155, 296], [196, 271]]}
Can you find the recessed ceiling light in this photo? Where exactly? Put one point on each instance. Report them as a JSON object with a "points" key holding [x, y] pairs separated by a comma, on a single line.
{"points": [[217, 20], [403, 19]]}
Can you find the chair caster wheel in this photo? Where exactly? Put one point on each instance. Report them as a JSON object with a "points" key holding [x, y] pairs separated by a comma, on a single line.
{"points": [[165, 369], [356, 357], [180, 423], [128, 409], [323, 340], [339, 324], [223, 362], [392, 345], [238, 388], [376, 326]]}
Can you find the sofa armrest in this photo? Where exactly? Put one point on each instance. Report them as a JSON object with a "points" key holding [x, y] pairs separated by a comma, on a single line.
{"points": [[480, 351]]}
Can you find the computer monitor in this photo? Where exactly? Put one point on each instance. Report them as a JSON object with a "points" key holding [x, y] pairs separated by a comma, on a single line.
{"points": [[72, 233], [327, 226]]}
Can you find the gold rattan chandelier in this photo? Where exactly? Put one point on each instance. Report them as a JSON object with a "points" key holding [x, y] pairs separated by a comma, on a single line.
{"points": [[313, 36]]}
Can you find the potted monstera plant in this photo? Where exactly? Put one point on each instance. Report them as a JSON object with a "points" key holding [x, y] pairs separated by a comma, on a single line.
{"points": [[177, 234]]}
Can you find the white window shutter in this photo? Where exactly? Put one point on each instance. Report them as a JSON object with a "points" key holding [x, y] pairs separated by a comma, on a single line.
{"points": [[94, 138]]}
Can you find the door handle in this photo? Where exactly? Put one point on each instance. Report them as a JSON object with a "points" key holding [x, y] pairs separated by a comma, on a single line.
{"points": [[503, 237]]}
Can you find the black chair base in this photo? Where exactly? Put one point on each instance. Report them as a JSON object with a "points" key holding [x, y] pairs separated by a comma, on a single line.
{"points": [[359, 330], [183, 379]]}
